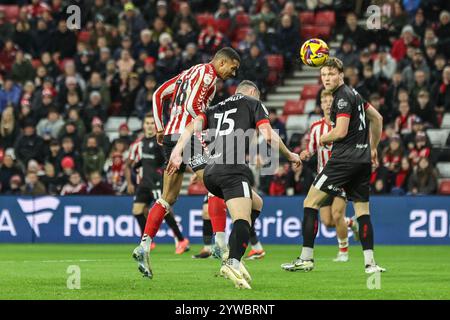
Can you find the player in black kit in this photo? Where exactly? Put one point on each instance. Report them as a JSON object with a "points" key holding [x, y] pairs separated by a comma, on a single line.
{"points": [[354, 152], [233, 122], [146, 157]]}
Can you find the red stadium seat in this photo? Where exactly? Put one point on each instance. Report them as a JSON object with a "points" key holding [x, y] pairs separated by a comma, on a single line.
{"points": [[84, 36], [204, 19], [444, 187], [306, 17], [242, 20], [240, 34], [325, 18], [307, 31], [197, 189], [294, 107], [275, 62], [223, 25], [310, 91], [315, 31], [11, 12], [283, 118], [273, 77]]}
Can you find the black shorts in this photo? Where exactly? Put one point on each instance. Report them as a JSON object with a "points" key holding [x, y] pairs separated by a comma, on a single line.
{"points": [[228, 186], [350, 180], [146, 195], [328, 202], [197, 161]]}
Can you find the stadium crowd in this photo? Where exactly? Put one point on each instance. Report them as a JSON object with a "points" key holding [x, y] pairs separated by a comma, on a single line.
{"points": [[59, 87]]}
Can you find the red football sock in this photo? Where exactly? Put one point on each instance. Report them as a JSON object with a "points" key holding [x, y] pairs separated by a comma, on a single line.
{"points": [[217, 211], [155, 218]]}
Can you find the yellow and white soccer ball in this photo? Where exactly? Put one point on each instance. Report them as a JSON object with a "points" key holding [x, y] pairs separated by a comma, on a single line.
{"points": [[314, 52]]}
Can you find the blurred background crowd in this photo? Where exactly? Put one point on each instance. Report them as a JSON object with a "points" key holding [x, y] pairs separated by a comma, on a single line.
{"points": [[59, 87]]}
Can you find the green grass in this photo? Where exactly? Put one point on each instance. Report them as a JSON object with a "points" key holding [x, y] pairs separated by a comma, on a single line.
{"points": [[108, 272]]}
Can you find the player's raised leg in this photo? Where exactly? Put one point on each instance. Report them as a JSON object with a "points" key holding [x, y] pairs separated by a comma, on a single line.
{"points": [[338, 213]]}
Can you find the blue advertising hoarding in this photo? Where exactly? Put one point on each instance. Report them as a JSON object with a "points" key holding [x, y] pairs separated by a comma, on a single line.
{"points": [[83, 219]]}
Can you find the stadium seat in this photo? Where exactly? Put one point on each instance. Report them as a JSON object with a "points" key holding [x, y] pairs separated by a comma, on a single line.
{"points": [[275, 62], [113, 123], [204, 19], [325, 18], [242, 20], [273, 77], [306, 17], [297, 123], [112, 135], [294, 107], [223, 25], [84, 36], [444, 169], [11, 12], [323, 32], [438, 137], [444, 187], [308, 31], [310, 91], [241, 33], [310, 105], [134, 124], [446, 121]]}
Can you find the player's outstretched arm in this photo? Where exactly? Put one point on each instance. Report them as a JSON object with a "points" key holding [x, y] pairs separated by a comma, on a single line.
{"points": [[274, 139], [164, 91], [376, 127], [176, 157]]}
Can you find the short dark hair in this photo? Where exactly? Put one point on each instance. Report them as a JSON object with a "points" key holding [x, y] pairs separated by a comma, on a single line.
{"points": [[227, 53], [333, 62], [248, 83], [148, 115]]}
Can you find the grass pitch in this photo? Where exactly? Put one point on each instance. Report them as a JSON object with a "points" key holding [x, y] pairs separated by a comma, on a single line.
{"points": [[108, 272]]}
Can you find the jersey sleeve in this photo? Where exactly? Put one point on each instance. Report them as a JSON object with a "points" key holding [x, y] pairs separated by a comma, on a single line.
{"points": [[164, 91], [343, 107], [312, 143], [261, 114], [132, 152]]}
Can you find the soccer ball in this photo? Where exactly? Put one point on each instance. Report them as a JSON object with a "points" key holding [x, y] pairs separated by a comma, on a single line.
{"points": [[314, 52]]}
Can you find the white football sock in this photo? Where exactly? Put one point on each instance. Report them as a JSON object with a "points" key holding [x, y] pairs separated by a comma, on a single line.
{"points": [[221, 240], [307, 253], [368, 257], [146, 242]]}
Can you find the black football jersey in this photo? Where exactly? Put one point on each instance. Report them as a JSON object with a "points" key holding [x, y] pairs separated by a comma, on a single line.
{"points": [[231, 126], [355, 146], [151, 159]]}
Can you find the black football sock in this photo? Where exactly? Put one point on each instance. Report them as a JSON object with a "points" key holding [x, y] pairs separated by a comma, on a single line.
{"points": [[207, 232], [239, 239], [365, 232], [253, 237], [141, 221], [170, 220], [310, 226]]}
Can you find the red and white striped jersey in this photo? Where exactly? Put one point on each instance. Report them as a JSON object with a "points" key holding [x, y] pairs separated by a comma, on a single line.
{"points": [[319, 128], [191, 92]]}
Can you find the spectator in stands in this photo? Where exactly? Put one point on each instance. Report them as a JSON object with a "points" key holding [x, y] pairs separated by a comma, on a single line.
{"points": [[168, 66], [250, 40], [221, 92], [125, 134], [97, 186], [430, 55], [420, 83], [94, 109], [84, 64], [134, 20], [75, 185], [93, 157], [184, 13], [288, 41], [419, 24], [23, 37], [8, 169], [64, 41], [210, 39], [266, 14], [114, 169], [100, 135], [50, 180], [403, 123], [369, 83], [437, 70], [352, 31], [424, 109], [277, 124], [73, 115], [420, 149], [384, 65], [70, 130], [347, 53], [423, 180], [108, 13], [185, 34], [7, 56], [29, 145], [393, 154], [299, 180], [442, 91], [33, 187], [53, 155], [9, 129], [278, 185], [418, 63], [254, 68], [50, 126], [400, 183], [144, 98], [406, 39], [22, 70], [68, 150], [190, 57], [443, 32], [267, 38], [126, 62], [6, 27], [9, 94], [15, 184]]}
